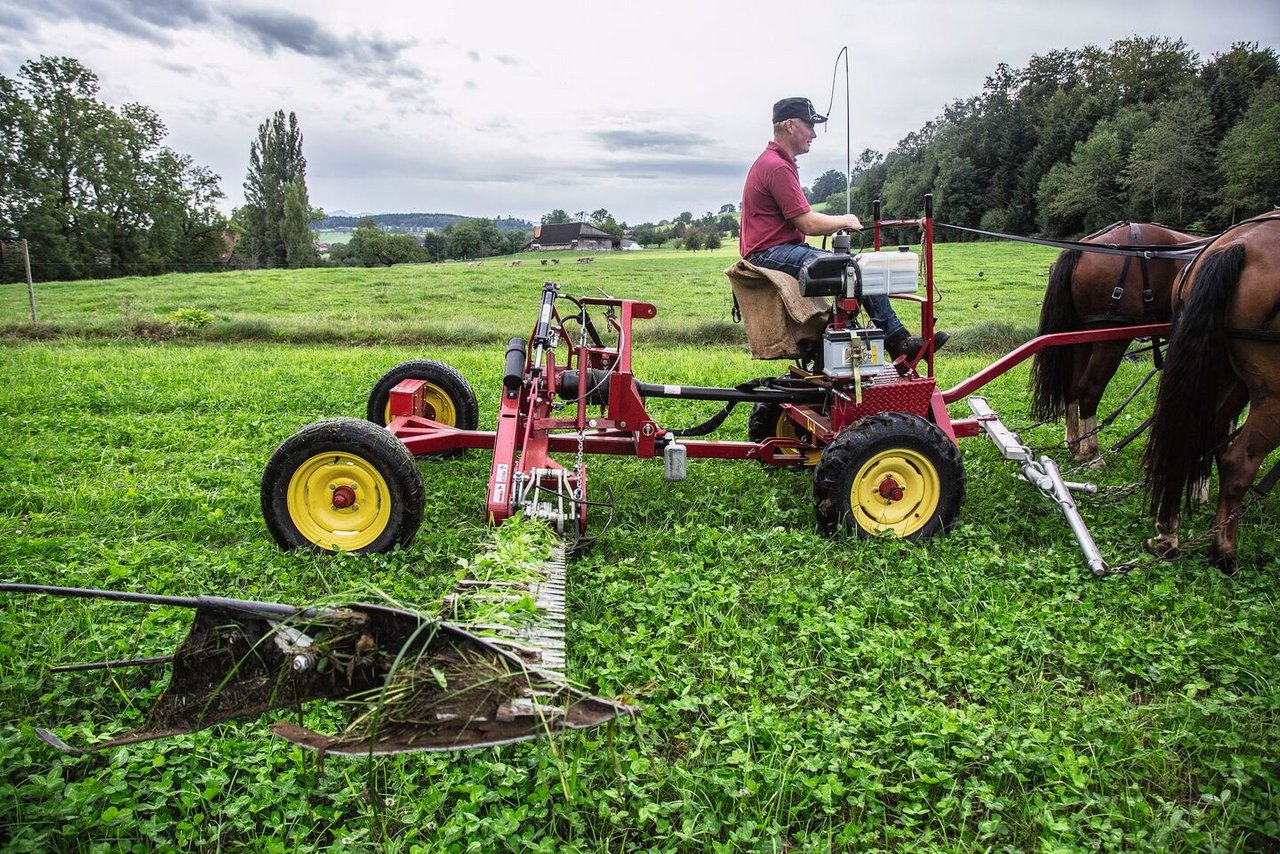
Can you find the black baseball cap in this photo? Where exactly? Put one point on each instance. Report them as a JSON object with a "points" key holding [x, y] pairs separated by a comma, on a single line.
{"points": [[796, 108]]}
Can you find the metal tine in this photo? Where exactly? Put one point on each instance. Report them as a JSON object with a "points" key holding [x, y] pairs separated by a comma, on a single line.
{"points": [[107, 665]]}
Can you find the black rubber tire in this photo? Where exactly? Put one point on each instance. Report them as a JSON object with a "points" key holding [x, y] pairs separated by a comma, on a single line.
{"points": [[442, 380], [362, 453], [767, 422], [883, 446]]}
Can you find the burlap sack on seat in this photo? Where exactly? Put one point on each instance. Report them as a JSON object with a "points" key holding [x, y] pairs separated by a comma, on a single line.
{"points": [[780, 322]]}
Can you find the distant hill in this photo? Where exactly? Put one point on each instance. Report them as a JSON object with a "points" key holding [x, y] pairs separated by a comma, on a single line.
{"points": [[414, 222]]}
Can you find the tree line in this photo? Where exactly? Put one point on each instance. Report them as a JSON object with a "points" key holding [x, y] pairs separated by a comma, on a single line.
{"points": [[95, 193], [1077, 139]]}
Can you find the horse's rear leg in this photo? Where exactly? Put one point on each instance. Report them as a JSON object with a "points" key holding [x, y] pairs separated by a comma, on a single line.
{"points": [[1237, 467], [1087, 391]]}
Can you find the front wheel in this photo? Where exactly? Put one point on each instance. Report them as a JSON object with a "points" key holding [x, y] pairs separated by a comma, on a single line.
{"points": [[890, 473], [342, 485]]}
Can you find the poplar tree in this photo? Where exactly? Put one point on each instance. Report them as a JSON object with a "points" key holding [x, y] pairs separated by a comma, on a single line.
{"points": [[275, 159]]}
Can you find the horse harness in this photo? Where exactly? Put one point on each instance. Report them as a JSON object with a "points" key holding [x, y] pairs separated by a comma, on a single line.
{"points": [[1259, 332], [1113, 317]]}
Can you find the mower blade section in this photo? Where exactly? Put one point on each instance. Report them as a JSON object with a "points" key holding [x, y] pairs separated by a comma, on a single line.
{"points": [[538, 641], [234, 665], [546, 632]]}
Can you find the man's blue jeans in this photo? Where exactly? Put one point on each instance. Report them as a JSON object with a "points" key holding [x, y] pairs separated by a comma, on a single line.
{"points": [[789, 256]]}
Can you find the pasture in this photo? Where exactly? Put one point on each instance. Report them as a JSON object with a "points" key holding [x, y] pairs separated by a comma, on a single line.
{"points": [[979, 691], [982, 285]]}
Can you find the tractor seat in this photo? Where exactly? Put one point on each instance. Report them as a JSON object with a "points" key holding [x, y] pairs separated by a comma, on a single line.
{"points": [[781, 322]]}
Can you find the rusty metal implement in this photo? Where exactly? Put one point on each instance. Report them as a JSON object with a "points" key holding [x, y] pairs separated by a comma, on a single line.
{"points": [[408, 682]]}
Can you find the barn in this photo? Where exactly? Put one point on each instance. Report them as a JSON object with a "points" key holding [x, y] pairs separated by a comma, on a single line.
{"points": [[570, 235]]}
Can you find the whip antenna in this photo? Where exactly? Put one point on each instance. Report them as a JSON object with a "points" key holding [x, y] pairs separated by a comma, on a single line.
{"points": [[848, 121]]}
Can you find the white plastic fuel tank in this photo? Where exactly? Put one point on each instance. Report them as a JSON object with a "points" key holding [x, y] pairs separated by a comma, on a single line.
{"points": [[885, 273]]}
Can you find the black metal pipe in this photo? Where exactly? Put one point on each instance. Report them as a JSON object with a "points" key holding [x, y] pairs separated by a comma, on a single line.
{"points": [[815, 394], [265, 609]]}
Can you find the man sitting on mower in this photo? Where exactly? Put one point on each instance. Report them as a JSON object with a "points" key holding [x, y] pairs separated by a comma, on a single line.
{"points": [[776, 217]]}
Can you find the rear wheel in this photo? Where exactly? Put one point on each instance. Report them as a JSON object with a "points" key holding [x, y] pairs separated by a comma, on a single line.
{"points": [[770, 421], [342, 485], [448, 397], [891, 473]]}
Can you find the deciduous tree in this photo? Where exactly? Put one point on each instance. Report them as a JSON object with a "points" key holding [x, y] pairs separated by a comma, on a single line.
{"points": [[275, 159], [1170, 169], [92, 188], [1250, 159], [831, 181]]}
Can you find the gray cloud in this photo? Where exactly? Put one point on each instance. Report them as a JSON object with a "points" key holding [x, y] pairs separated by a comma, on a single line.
{"points": [[659, 168], [145, 19], [370, 57], [180, 68], [656, 140], [276, 29]]}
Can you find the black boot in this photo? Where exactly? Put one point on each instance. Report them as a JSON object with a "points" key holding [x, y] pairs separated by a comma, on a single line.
{"points": [[903, 343]]}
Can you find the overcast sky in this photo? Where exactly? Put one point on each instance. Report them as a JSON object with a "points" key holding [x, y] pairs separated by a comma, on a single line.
{"points": [[496, 108]]}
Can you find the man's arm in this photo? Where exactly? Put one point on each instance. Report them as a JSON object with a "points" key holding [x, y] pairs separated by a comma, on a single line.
{"points": [[813, 223]]}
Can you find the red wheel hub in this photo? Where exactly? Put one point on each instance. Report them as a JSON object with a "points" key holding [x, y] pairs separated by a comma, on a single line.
{"points": [[890, 489], [343, 497]]}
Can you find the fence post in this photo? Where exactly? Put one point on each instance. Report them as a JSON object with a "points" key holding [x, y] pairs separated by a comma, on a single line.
{"points": [[31, 291]]}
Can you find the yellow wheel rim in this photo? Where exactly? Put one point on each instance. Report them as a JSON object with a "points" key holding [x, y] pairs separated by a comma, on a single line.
{"points": [[785, 428], [339, 501], [895, 492], [437, 402]]}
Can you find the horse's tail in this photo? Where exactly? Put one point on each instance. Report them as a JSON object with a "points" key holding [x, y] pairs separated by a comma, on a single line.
{"points": [[1051, 370], [1184, 426]]}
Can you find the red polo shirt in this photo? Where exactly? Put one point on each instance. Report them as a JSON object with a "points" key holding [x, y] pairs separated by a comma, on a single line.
{"points": [[770, 200]]}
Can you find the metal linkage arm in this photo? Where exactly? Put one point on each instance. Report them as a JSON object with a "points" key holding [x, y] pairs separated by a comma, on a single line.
{"points": [[1044, 475]]}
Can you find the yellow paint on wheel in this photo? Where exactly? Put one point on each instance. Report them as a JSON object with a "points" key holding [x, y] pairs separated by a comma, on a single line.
{"points": [[785, 428], [311, 501], [439, 406], [913, 474]]}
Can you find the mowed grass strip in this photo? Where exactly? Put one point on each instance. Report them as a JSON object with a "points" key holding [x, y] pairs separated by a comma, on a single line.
{"points": [[978, 691], [990, 294]]}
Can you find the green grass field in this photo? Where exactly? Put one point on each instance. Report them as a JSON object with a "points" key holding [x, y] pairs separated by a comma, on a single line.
{"points": [[981, 691], [982, 286]]}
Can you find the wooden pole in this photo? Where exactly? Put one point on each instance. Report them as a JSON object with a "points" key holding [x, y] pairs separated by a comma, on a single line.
{"points": [[31, 291]]}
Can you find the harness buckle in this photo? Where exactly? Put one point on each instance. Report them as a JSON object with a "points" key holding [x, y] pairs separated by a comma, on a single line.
{"points": [[1118, 293]]}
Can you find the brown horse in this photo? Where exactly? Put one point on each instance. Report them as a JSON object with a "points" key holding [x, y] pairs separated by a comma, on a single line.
{"points": [[1224, 353], [1090, 290]]}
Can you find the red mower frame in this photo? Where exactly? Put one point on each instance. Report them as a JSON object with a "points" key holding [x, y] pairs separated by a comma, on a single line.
{"points": [[883, 447]]}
